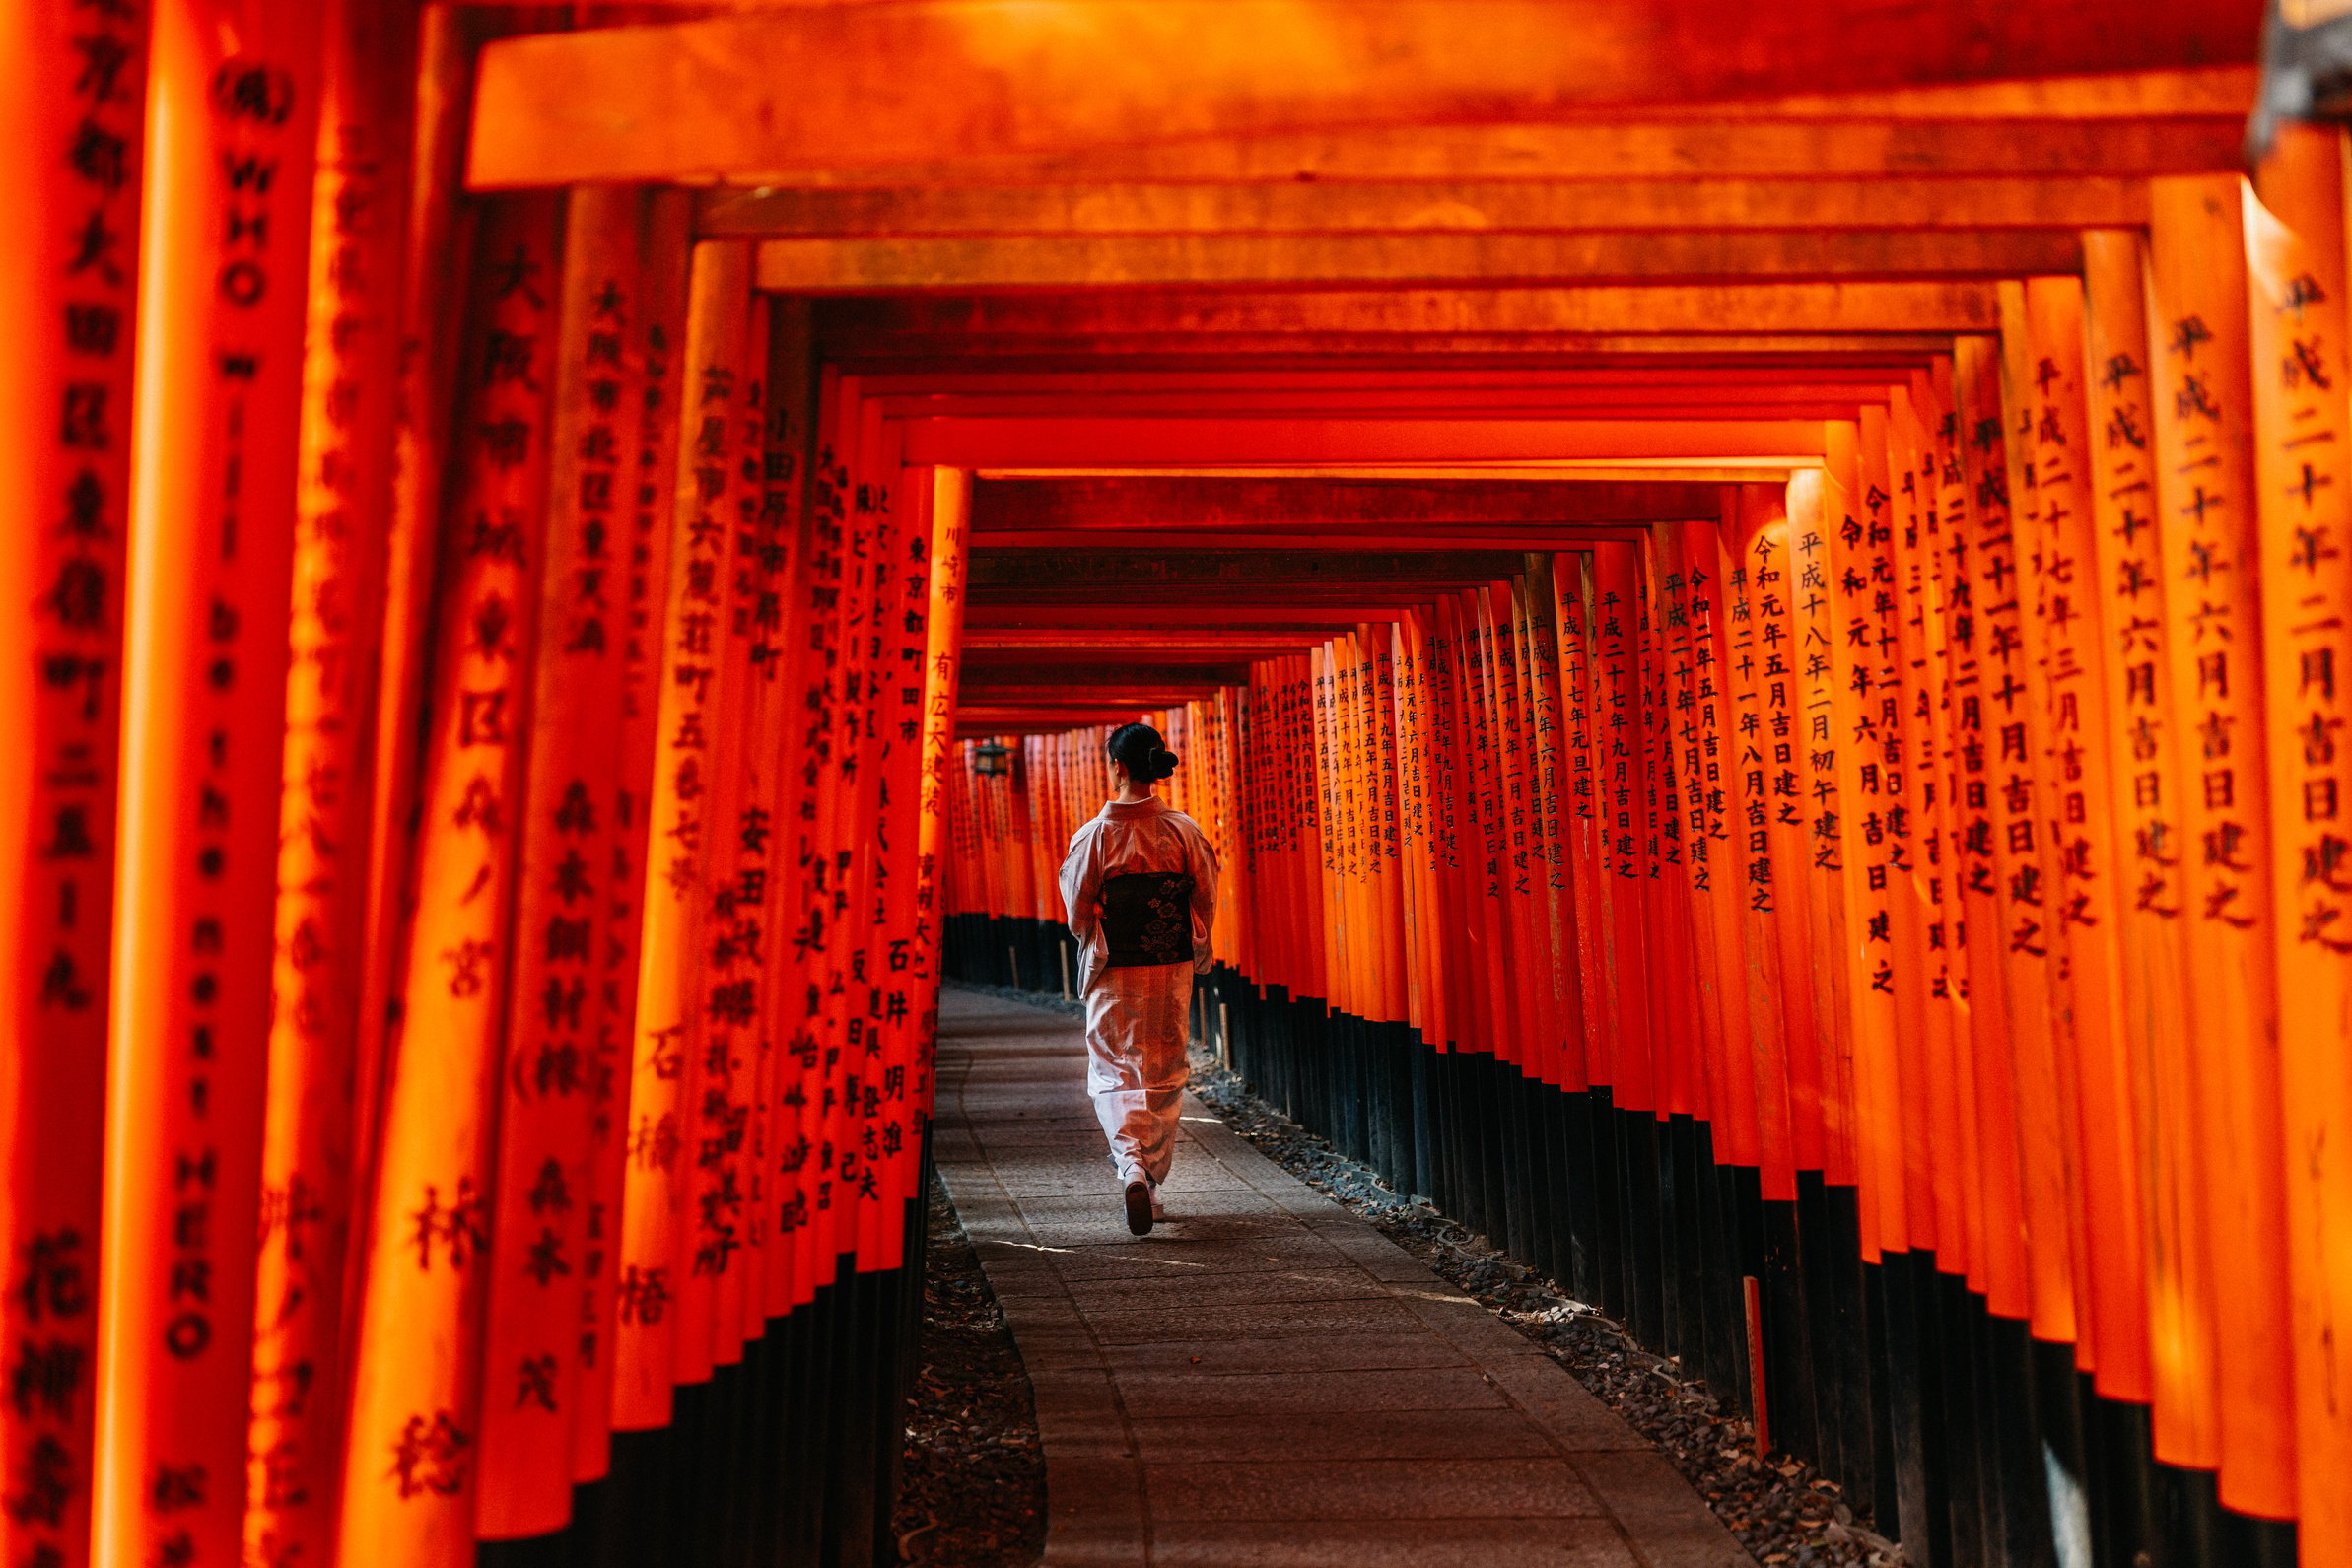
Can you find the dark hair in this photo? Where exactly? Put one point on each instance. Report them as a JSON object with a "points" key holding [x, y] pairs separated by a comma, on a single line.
{"points": [[1140, 751]]}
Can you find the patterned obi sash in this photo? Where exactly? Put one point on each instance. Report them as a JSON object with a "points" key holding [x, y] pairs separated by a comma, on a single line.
{"points": [[1147, 917]]}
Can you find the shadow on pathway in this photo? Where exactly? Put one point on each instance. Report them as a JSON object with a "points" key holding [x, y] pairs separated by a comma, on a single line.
{"points": [[1266, 1379]]}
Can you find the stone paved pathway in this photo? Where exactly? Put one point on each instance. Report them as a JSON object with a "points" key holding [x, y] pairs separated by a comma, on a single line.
{"points": [[1266, 1379]]}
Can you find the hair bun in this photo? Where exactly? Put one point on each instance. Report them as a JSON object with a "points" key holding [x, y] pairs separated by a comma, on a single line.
{"points": [[1141, 752]]}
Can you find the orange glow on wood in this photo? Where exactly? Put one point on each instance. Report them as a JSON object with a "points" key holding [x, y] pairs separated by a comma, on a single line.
{"points": [[232, 111], [712, 1258], [2143, 762], [1877, 843], [639, 623], [1931, 1002], [1812, 616], [74, 332], [2298, 320], [2208, 534], [950, 510], [1718, 840], [889, 1132], [705, 97], [564, 828], [1772, 876], [1817, 503], [1615, 610], [651, 1285], [350, 388], [2058, 517], [413, 1452], [1998, 679]]}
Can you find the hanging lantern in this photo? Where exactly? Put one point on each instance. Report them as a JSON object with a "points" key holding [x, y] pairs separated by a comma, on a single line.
{"points": [[988, 759]]}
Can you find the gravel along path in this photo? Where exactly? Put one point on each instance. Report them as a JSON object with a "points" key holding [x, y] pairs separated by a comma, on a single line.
{"points": [[972, 1491], [1784, 1512]]}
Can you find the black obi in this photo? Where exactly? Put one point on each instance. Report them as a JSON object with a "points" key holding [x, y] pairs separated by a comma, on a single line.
{"points": [[1147, 917]]}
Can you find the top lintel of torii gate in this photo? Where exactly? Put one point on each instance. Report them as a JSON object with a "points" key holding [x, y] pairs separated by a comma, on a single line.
{"points": [[800, 91]]}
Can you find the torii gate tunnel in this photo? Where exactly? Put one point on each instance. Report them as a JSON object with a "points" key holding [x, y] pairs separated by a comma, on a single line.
{"points": [[1758, 601]]}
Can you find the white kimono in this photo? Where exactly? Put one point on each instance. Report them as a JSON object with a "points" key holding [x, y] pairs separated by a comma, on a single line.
{"points": [[1137, 1015]]}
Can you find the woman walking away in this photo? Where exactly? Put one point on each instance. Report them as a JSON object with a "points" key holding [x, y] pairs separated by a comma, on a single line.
{"points": [[1141, 888]]}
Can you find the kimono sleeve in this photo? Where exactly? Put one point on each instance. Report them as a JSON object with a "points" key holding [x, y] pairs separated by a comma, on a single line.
{"points": [[1081, 882], [1204, 874]]}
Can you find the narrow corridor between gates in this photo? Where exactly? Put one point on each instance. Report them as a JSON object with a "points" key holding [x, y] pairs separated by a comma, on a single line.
{"points": [[1752, 603]]}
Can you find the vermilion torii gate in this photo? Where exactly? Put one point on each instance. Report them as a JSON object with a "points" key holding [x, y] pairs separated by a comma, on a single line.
{"points": [[1756, 591]]}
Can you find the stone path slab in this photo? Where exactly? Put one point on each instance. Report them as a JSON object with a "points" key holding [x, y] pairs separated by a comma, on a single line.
{"points": [[1266, 1379]]}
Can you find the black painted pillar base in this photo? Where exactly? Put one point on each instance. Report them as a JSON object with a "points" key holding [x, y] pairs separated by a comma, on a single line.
{"points": [[789, 1459]]}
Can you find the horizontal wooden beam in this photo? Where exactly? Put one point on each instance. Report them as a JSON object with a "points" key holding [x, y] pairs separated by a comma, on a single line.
{"points": [[864, 266], [985, 717], [1795, 396], [1079, 673], [1120, 505], [1174, 348], [1800, 400], [1732, 308], [2122, 95], [1325, 207], [836, 87], [1323, 536], [1713, 145], [1629, 470], [1115, 571], [1299, 618], [1107, 699], [1400, 382], [1035, 667], [1040, 442], [980, 724], [1093, 694], [1015, 643]]}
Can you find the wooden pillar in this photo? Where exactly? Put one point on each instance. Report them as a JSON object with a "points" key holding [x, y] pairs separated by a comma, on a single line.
{"points": [[1764, 725], [351, 384], [2207, 532], [68, 295], [880, 515], [2037, 1276], [1616, 629], [801, 1163], [888, 1138], [1985, 1198], [1555, 782], [2045, 387], [412, 1451], [1667, 908], [440, 225], [951, 507], [231, 134], [651, 432], [727, 352], [2297, 322], [1817, 503], [1881, 951], [2143, 743], [1417, 835], [564, 828], [1718, 875], [1925, 902], [785, 567], [1582, 809], [650, 1291]]}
